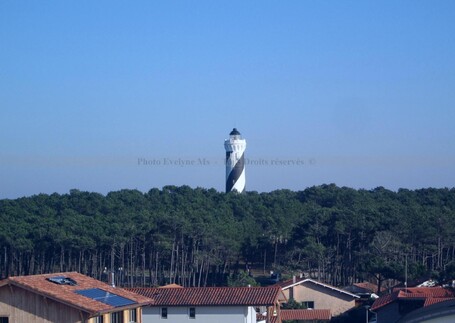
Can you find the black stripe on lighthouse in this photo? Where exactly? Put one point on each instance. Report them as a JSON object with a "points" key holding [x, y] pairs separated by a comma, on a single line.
{"points": [[235, 173]]}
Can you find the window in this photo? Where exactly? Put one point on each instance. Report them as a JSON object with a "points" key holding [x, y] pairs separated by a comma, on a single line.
{"points": [[4, 319], [62, 280], [117, 317], [98, 319], [192, 312], [133, 317], [164, 312], [308, 304]]}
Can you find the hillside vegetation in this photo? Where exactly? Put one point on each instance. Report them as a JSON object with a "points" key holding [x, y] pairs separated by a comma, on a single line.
{"points": [[201, 237]]}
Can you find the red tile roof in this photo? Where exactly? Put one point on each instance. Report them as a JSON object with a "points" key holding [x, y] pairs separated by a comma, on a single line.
{"points": [[274, 319], [66, 293], [171, 286], [431, 301], [212, 296], [424, 292], [384, 300], [260, 317], [288, 315], [413, 293]]}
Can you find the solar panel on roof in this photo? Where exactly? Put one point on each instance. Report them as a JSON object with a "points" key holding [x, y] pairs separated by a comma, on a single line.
{"points": [[105, 297]]}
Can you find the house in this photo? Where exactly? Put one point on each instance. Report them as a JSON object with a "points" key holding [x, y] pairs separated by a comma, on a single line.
{"points": [[211, 304], [316, 295], [67, 297], [392, 307]]}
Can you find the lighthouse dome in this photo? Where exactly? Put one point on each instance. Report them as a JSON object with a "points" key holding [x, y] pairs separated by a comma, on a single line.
{"points": [[234, 132]]}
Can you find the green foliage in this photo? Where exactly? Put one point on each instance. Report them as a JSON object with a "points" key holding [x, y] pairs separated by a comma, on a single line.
{"points": [[199, 237], [292, 304], [447, 275], [241, 279]]}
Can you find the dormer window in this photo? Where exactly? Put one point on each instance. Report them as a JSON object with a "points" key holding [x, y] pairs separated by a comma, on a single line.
{"points": [[62, 280]]}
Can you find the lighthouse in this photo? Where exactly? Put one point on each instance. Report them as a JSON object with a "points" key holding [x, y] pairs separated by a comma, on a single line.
{"points": [[235, 162]]}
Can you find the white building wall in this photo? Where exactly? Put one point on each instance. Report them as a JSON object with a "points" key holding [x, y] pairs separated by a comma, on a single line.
{"points": [[204, 314], [251, 317]]}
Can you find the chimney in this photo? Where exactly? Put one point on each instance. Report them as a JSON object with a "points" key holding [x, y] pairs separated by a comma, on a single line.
{"points": [[111, 279], [293, 279]]}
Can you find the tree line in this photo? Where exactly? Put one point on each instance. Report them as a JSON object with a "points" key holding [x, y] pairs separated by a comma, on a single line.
{"points": [[202, 237]]}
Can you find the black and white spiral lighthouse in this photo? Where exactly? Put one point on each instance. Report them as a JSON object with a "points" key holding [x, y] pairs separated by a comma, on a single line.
{"points": [[235, 162]]}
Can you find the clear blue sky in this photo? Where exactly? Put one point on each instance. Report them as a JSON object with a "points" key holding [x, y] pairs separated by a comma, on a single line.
{"points": [[361, 92]]}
